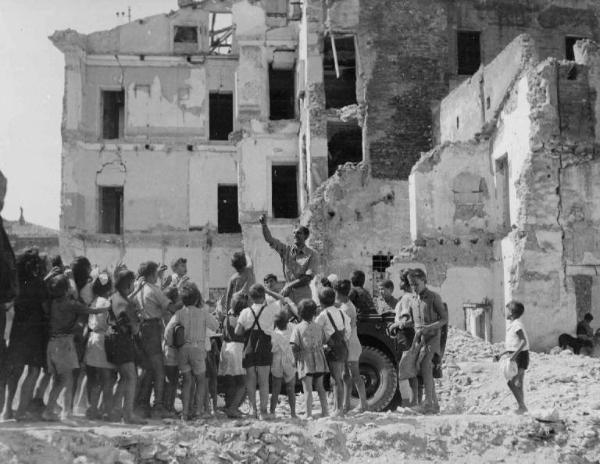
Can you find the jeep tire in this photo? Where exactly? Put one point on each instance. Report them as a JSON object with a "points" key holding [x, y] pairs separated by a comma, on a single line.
{"points": [[381, 379]]}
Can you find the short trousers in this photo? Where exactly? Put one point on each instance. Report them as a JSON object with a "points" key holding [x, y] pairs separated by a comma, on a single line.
{"points": [[151, 335], [315, 375], [282, 368], [62, 355], [522, 359], [192, 358]]}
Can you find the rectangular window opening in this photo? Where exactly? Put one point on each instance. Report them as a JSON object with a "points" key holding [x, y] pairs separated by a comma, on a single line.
{"points": [[113, 114], [220, 33], [468, 51], [339, 91], [220, 115], [569, 45], [281, 93], [380, 266], [284, 181], [227, 210], [111, 210], [502, 187], [344, 144], [186, 34]]}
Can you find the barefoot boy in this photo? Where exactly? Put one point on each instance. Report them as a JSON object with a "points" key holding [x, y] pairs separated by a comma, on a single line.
{"points": [[516, 344]]}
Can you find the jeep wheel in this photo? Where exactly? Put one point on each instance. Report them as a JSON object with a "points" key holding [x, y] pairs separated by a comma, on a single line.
{"points": [[379, 375]]}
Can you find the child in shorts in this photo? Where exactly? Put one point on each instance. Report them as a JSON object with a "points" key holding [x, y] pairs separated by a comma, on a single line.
{"points": [[212, 367], [516, 344], [191, 357], [307, 341], [100, 373], [283, 368], [62, 356]]}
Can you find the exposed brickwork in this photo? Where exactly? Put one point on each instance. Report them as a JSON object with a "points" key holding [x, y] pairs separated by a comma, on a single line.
{"points": [[413, 46], [410, 43]]}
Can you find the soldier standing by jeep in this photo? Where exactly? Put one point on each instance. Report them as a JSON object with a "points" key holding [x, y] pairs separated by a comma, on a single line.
{"points": [[299, 262], [427, 311]]}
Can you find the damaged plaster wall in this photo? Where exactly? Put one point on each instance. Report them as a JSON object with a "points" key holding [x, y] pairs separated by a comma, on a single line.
{"points": [[545, 131], [163, 160]]}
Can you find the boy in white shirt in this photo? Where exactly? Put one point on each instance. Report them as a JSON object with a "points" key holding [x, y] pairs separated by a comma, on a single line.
{"points": [[333, 320], [516, 344]]}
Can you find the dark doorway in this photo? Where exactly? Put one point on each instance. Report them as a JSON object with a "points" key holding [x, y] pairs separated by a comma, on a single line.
{"points": [[220, 115], [284, 179], [228, 210], [583, 295], [111, 210]]}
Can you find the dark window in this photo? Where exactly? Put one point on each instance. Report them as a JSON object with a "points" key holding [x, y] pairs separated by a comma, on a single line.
{"points": [[569, 44], [111, 210], [344, 144], [339, 91], [380, 266], [186, 34], [469, 52], [284, 180], [220, 116], [113, 112], [281, 93], [228, 210]]}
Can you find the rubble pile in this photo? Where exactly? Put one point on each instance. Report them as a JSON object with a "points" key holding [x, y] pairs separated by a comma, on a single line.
{"points": [[476, 425], [473, 383]]}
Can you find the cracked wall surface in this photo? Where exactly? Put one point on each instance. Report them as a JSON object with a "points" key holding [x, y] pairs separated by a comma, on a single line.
{"points": [[544, 129], [164, 160], [405, 64]]}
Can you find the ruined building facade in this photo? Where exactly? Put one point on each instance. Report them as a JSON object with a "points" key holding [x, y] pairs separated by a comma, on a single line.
{"points": [[177, 123]]}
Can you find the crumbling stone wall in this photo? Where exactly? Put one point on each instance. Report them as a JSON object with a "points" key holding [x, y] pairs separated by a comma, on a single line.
{"points": [[354, 216], [545, 127]]}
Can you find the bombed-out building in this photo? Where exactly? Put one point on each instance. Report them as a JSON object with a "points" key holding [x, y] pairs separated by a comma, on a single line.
{"points": [[180, 130]]}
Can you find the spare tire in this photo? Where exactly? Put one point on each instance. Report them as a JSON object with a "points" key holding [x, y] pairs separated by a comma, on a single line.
{"points": [[380, 377]]}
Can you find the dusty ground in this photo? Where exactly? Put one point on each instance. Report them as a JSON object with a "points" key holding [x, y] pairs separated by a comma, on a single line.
{"points": [[476, 425]]}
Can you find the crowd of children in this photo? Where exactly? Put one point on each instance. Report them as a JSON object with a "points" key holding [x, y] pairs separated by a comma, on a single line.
{"points": [[126, 338]]}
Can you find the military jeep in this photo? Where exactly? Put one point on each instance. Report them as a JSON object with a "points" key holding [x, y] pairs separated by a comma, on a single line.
{"points": [[381, 353]]}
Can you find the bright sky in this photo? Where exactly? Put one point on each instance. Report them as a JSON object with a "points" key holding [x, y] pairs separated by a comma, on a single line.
{"points": [[32, 83]]}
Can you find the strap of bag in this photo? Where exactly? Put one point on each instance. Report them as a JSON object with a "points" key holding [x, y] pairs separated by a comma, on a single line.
{"points": [[331, 320]]}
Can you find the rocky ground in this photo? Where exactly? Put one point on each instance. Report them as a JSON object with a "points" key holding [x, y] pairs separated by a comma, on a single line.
{"points": [[476, 425]]}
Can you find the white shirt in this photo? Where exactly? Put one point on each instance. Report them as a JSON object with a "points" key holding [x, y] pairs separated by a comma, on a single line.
{"points": [[512, 340], [266, 319], [342, 322]]}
